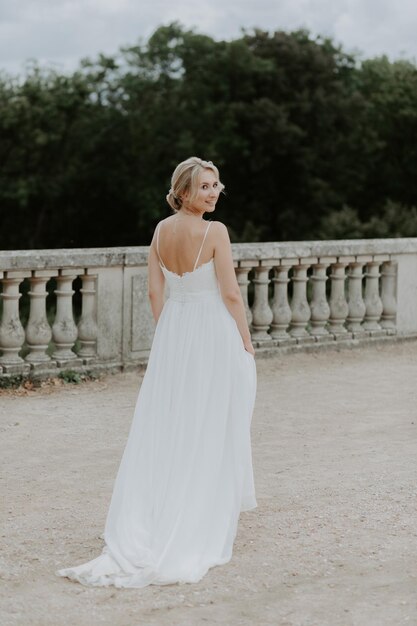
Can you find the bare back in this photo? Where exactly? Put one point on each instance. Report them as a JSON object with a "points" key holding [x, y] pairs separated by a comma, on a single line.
{"points": [[183, 246]]}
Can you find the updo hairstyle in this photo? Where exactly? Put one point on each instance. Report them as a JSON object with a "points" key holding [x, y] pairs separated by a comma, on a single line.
{"points": [[185, 178]]}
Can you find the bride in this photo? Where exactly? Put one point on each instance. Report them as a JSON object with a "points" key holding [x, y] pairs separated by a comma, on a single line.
{"points": [[186, 472]]}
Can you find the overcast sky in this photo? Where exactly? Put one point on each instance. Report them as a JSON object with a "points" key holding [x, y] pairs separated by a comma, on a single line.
{"points": [[61, 32]]}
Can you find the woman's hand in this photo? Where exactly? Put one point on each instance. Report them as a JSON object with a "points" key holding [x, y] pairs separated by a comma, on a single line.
{"points": [[249, 348]]}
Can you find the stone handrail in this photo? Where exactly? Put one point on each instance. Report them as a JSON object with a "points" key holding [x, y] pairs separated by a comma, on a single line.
{"points": [[295, 293]]}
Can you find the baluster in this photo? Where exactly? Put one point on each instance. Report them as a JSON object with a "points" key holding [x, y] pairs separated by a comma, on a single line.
{"points": [[261, 311], [373, 301], [355, 300], [338, 305], [87, 326], [300, 309], [388, 296], [12, 334], [242, 278], [320, 309], [64, 330], [281, 310], [38, 331]]}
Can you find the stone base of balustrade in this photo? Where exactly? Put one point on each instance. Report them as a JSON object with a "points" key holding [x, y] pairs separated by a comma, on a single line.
{"points": [[285, 341], [263, 342], [135, 366], [266, 349], [348, 342], [50, 369], [69, 364], [138, 365], [273, 343], [306, 339], [359, 334], [95, 367], [26, 372], [15, 369], [377, 333], [347, 336], [88, 359], [89, 362], [323, 338], [103, 367], [43, 369]]}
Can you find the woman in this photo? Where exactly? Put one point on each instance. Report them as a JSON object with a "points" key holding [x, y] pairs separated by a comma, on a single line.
{"points": [[186, 471]]}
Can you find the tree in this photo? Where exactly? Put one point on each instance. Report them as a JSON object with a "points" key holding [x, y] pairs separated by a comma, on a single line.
{"points": [[309, 141]]}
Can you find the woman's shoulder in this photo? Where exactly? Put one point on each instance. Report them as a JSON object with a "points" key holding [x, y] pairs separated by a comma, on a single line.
{"points": [[165, 220], [156, 231], [219, 227]]}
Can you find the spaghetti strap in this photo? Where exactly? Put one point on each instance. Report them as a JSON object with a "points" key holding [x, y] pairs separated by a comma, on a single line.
{"points": [[201, 247], [157, 243]]}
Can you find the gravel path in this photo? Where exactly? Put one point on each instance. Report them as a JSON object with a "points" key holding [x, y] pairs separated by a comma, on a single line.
{"points": [[333, 541]]}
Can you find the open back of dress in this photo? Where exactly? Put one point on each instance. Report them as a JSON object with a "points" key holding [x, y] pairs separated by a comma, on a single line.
{"points": [[186, 471]]}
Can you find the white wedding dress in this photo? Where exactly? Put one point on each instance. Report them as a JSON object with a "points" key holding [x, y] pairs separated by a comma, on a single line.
{"points": [[186, 471]]}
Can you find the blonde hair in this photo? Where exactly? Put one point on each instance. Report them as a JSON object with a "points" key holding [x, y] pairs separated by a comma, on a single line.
{"points": [[185, 178]]}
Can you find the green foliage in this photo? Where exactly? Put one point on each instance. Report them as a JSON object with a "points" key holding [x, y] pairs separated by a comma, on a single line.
{"points": [[394, 220], [70, 376], [310, 142], [11, 382], [74, 377]]}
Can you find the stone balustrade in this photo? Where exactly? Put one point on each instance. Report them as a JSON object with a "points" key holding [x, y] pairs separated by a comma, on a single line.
{"points": [[295, 294]]}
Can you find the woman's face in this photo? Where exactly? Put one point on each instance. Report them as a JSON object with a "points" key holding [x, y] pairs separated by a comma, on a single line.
{"points": [[208, 190]]}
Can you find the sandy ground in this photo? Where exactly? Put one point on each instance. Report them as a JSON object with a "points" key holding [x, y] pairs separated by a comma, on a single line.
{"points": [[332, 542]]}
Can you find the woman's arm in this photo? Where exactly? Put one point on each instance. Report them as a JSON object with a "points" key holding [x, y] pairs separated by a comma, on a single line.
{"points": [[229, 286], [156, 282]]}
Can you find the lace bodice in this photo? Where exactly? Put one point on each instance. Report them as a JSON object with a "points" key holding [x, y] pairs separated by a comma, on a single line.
{"points": [[201, 282]]}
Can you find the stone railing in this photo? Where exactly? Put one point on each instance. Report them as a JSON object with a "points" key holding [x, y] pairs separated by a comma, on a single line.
{"points": [[295, 293]]}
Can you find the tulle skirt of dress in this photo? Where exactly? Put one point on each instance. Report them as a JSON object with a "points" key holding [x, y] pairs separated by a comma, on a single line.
{"points": [[186, 471]]}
